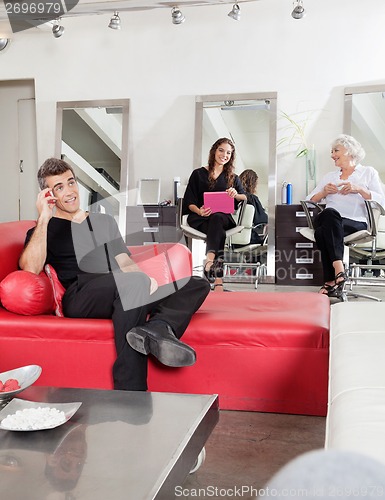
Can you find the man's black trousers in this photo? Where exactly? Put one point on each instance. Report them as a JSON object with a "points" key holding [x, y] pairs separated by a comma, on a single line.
{"points": [[125, 298]]}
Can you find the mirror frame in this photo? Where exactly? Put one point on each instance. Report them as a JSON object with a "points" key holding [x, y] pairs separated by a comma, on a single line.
{"points": [[348, 102], [124, 171], [272, 166]]}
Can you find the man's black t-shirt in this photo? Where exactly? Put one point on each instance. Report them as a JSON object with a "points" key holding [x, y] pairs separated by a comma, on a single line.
{"points": [[86, 247]]}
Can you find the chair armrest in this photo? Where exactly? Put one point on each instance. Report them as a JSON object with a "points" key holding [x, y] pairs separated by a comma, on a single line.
{"points": [[306, 205], [376, 205], [374, 211], [240, 213], [262, 231], [179, 213]]}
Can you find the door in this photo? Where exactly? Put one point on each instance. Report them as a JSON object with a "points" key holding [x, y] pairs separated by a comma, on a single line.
{"points": [[18, 146], [28, 186]]}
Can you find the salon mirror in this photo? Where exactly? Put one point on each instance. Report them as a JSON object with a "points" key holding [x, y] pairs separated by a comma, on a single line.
{"points": [[92, 138], [249, 120], [364, 119]]}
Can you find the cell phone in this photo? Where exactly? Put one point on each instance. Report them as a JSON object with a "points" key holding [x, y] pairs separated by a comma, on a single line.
{"points": [[49, 193]]}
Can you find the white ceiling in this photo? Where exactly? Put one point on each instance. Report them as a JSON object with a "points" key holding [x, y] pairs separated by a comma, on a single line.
{"points": [[94, 7]]}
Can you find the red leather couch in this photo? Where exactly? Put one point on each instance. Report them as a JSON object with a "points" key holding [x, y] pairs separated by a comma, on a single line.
{"points": [[259, 351]]}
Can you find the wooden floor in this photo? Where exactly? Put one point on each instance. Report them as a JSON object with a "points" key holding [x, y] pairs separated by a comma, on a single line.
{"points": [[247, 448]]}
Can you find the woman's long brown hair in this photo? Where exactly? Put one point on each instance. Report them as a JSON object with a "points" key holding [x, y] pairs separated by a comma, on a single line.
{"points": [[249, 180], [228, 168]]}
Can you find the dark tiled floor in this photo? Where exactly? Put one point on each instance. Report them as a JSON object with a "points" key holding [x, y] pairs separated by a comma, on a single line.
{"points": [[247, 448]]}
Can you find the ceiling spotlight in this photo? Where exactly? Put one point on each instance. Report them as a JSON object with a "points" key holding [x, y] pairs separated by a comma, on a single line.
{"points": [[235, 12], [298, 11], [4, 42], [115, 22], [177, 16], [57, 30]]}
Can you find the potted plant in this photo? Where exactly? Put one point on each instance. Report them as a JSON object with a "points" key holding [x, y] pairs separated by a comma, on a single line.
{"points": [[297, 138]]}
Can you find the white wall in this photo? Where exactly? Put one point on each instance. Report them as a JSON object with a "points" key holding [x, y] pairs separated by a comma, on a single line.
{"points": [[161, 67]]}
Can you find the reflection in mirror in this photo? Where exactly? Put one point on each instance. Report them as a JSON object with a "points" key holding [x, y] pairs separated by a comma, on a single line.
{"points": [[91, 136], [249, 120], [364, 119]]}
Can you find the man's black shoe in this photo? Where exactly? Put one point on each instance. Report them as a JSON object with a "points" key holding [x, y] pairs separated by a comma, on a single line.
{"points": [[159, 340]]}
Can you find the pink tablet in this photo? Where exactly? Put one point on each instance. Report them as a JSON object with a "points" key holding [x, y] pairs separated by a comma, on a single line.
{"points": [[218, 201]]}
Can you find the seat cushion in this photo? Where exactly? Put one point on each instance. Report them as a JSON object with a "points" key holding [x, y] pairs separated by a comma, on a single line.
{"points": [[266, 319], [258, 351], [264, 351], [356, 399], [355, 422], [359, 237], [357, 346]]}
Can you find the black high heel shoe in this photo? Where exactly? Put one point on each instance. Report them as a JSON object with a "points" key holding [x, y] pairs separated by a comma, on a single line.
{"points": [[209, 273], [338, 288], [217, 268], [326, 289], [214, 271]]}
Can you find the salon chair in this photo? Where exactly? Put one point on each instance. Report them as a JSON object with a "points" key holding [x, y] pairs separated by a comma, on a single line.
{"points": [[193, 236], [367, 238], [370, 255], [241, 256]]}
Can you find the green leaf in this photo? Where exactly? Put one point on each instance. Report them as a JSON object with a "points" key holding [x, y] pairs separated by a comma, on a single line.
{"points": [[303, 152]]}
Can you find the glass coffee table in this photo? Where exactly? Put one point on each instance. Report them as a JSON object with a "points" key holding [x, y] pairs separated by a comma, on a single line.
{"points": [[118, 445]]}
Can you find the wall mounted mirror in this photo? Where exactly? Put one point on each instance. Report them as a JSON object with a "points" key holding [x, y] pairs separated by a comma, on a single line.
{"points": [[364, 119], [148, 192], [250, 121], [93, 137]]}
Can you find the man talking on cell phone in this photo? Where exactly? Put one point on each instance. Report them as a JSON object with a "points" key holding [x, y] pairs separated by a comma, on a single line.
{"points": [[93, 264]]}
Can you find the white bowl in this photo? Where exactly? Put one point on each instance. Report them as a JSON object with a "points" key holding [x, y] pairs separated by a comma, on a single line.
{"points": [[69, 409], [26, 376]]}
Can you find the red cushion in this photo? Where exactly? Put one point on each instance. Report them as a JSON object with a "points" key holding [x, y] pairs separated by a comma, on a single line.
{"points": [[58, 289], [26, 293], [154, 266], [166, 262]]}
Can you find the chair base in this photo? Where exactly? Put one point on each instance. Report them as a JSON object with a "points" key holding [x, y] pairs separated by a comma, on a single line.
{"points": [[355, 278], [260, 272], [345, 295]]}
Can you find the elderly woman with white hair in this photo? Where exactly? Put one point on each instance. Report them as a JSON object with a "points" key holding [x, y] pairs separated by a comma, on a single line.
{"points": [[343, 191]]}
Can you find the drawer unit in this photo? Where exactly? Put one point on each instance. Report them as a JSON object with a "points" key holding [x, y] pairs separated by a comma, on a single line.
{"points": [[298, 262], [151, 224]]}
